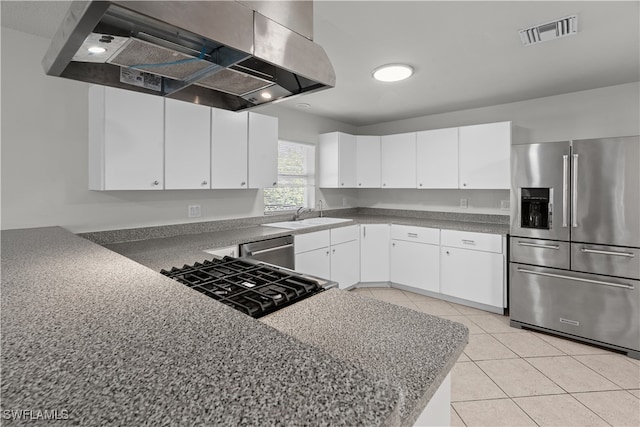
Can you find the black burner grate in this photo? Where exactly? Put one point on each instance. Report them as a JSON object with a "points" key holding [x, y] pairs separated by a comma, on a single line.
{"points": [[254, 289]]}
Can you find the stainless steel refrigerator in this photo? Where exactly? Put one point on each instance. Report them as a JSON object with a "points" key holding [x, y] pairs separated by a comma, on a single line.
{"points": [[575, 240]]}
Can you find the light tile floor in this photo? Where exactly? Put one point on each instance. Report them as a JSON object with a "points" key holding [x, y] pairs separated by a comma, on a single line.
{"points": [[514, 377]]}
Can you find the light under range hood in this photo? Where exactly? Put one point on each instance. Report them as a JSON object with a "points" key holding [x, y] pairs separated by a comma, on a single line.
{"points": [[224, 54]]}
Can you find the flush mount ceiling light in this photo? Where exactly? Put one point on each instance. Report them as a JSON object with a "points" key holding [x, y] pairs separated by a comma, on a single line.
{"points": [[266, 95], [392, 72], [97, 49]]}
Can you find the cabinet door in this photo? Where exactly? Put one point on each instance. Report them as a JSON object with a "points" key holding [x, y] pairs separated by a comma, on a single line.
{"points": [[228, 149], [368, 161], [473, 275], [374, 252], [437, 158], [316, 263], [133, 150], [416, 265], [484, 156], [398, 160], [263, 151], [345, 263], [187, 148], [337, 160]]}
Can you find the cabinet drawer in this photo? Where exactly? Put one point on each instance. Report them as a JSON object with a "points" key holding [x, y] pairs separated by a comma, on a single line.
{"points": [[469, 240], [344, 234], [311, 241], [540, 252], [415, 234]]}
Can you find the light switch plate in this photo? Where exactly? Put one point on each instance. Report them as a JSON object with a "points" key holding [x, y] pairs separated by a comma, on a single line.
{"points": [[464, 203]]}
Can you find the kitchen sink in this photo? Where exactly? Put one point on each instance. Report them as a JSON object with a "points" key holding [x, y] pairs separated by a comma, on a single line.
{"points": [[306, 223]]}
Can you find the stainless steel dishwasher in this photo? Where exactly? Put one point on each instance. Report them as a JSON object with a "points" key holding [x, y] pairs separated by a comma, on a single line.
{"points": [[278, 251]]}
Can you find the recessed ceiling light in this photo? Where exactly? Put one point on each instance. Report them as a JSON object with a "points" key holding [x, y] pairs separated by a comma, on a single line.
{"points": [[97, 49], [303, 105], [266, 95], [392, 72]]}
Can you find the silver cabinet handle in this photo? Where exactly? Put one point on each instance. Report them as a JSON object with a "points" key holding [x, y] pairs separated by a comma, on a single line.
{"points": [[243, 183], [597, 251], [360, 184], [574, 189], [414, 235], [333, 250], [420, 184], [156, 182], [577, 279], [539, 245], [342, 183], [327, 253], [275, 184], [384, 185], [464, 185], [468, 242], [364, 231], [264, 251], [565, 189], [204, 182]]}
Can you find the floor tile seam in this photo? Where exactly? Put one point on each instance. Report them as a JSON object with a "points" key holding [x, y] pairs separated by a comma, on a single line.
{"points": [[471, 320], [589, 409], [491, 379], [457, 413], [569, 394], [512, 401], [627, 391], [596, 372], [545, 375]]}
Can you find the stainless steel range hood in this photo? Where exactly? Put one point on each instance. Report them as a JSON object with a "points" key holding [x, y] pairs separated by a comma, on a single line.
{"points": [[225, 54]]}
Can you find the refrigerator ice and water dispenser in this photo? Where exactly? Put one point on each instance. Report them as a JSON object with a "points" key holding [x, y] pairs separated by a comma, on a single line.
{"points": [[534, 208]]}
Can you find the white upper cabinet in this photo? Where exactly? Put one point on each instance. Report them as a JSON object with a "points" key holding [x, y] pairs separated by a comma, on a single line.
{"points": [[437, 158], [263, 151], [126, 140], [187, 130], [229, 136], [337, 160], [368, 161], [398, 162], [484, 156]]}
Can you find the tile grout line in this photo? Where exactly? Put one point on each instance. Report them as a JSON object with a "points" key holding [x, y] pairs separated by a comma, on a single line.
{"points": [[598, 373]]}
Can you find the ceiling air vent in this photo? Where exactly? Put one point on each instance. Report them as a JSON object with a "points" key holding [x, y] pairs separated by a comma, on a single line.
{"points": [[562, 27]]}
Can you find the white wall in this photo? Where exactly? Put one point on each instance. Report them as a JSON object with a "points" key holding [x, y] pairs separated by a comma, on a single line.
{"points": [[44, 156], [610, 111]]}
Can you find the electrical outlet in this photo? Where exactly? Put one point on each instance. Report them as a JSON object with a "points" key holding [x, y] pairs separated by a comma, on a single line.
{"points": [[193, 211], [464, 203], [505, 204]]}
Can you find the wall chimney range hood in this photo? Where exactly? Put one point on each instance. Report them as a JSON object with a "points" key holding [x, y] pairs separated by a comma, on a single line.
{"points": [[233, 55]]}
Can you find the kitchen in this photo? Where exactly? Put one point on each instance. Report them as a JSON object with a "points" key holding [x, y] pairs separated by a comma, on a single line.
{"points": [[45, 172]]}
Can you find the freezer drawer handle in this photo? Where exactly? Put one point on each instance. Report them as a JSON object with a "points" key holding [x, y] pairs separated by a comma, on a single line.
{"points": [[597, 251], [264, 251], [577, 279], [539, 245]]}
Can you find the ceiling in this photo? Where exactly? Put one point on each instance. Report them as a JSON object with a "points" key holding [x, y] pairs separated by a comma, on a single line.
{"points": [[466, 54]]}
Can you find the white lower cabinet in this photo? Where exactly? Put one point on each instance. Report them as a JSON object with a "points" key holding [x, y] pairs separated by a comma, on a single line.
{"points": [[415, 264], [472, 267], [344, 263], [374, 252], [330, 254], [316, 263]]}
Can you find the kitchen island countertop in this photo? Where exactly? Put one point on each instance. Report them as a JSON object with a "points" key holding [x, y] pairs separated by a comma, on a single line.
{"points": [[90, 332]]}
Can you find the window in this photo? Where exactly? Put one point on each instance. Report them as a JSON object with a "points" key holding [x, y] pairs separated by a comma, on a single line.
{"points": [[296, 178]]}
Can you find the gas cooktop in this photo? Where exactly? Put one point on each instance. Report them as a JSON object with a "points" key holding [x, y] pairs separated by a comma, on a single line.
{"points": [[254, 288]]}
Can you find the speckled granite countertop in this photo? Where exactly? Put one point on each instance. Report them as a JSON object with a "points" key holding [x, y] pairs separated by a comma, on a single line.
{"points": [[91, 334], [166, 252], [413, 350]]}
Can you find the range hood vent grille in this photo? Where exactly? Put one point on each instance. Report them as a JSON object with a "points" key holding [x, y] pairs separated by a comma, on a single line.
{"points": [[562, 27]]}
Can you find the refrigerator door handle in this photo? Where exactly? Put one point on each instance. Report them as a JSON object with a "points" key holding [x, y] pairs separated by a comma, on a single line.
{"points": [[565, 190], [577, 279], [597, 251], [574, 191]]}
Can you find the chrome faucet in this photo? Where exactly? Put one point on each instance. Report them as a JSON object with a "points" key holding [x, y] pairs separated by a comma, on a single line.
{"points": [[300, 211], [321, 213]]}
